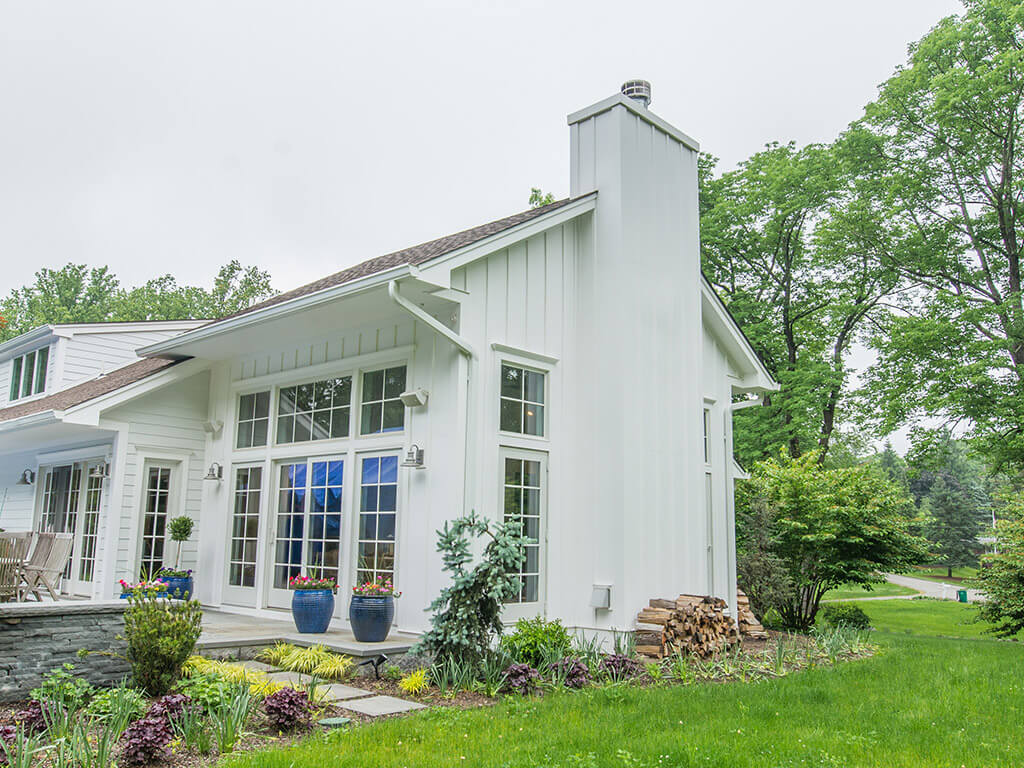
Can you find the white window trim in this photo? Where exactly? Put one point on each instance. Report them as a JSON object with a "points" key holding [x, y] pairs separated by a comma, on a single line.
{"points": [[354, 367], [176, 502], [46, 375], [514, 611], [502, 354], [231, 592]]}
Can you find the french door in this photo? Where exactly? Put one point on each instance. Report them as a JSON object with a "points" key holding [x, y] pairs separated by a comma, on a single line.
{"points": [[306, 524], [71, 502], [157, 508]]}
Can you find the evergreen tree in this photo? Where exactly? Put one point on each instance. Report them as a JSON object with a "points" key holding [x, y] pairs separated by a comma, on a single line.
{"points": [[953, 524]]}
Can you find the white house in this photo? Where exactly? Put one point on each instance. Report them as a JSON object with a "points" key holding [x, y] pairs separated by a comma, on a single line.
{"points": [[566, 367]]}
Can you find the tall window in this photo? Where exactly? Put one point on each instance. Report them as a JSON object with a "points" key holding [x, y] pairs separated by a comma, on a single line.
{"points": [[308, 520], [523, 501], [378, 509], [383, 410], [245, 526], [253, 419], [90, 526], [315, 411], [707, 431], [154, 520], [522, 401], [28, 373]]}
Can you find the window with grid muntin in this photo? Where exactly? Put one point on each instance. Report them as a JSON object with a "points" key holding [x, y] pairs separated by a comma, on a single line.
{"points": [[378, 513], [522, 400], [90, 526], [318, 410], [154, 520], [245, 526], [522, 505], [382, 408], [253, 419]]}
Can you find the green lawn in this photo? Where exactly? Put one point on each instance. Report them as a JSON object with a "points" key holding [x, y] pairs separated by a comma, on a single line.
{"points": [[921, 701], [853, 591]]}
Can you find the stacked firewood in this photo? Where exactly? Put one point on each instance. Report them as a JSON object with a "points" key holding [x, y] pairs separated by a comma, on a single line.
{"points": [[689, 624], [749, 625]]}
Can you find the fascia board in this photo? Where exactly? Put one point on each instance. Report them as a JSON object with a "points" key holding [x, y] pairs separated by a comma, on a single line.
{"points": [[168, 346]]}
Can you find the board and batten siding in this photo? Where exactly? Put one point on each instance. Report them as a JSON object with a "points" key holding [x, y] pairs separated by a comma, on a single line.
{"points": [[166, 425]]}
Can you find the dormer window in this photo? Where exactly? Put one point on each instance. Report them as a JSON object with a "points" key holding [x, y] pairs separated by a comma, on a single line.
{"points": [[28, 373]]}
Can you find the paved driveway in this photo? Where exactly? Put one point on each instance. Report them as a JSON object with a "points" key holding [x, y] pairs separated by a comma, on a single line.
{"points": [[933, 588]]}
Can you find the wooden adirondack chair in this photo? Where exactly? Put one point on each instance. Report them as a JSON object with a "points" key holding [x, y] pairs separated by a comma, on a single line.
{"points": [[13, 549], [48, 561]]}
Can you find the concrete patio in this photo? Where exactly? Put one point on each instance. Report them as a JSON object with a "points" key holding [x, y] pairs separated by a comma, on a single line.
{"points": [[241, 636]]}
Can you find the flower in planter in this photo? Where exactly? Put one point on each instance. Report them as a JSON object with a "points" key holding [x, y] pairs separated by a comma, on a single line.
{"points": [[376, 588], [174, 573], [153, 588], [308, 582]]}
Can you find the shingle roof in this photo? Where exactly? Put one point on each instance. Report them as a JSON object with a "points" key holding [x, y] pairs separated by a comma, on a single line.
{"points": [[417, 254], [88, 390]]}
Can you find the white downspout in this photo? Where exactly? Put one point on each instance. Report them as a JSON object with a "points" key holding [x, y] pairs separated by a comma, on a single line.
{"points": [[466, 349]]}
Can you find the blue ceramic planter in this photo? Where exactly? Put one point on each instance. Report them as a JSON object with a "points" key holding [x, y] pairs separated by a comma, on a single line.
{"points": [[312, 609], [371, 617], [180, 589]]}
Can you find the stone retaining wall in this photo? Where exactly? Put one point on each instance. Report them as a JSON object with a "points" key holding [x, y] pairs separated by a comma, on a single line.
{"points": [[36, 637]]}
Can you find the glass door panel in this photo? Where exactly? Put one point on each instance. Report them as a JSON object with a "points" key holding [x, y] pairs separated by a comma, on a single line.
{"points": [[307, 523]]}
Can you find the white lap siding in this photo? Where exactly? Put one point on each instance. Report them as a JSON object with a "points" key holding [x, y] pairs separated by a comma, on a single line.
{"points": [[165, 426]]}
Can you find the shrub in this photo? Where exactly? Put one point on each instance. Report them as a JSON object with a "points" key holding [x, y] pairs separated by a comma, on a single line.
{"points": [[467, 613], [146, 740], [415, 682], [531, 638], [521, 679], [31, 718], [161, 635], [844, 615], [571, 672], [619, 667], [1002, 576], [287, 709], [61, 687]]}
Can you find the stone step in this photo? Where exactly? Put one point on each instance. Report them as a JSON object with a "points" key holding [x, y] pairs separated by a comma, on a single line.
{"points": [[377, 706]]}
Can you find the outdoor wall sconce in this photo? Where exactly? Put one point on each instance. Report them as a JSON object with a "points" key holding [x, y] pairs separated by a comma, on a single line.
{"points": [[414, 458], [101, 470], [28, 477], [216, 472]]}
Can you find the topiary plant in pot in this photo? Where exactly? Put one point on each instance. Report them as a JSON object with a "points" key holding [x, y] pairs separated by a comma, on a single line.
{"points": [[179, 582]]}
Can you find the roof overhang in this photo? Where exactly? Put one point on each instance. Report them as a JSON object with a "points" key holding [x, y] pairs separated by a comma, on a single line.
{"points": [[753, 376], [27, 341], [364, 299]]}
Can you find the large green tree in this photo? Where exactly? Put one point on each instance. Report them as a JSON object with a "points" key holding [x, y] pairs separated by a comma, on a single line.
{"points": [[820, 528], [77, 294], [942, 164], [787, 246]]}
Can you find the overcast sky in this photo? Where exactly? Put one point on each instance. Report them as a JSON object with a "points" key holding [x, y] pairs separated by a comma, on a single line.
{"points": [[306, 136]]}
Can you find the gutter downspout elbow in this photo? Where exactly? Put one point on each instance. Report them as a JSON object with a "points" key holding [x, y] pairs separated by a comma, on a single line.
{"points": [[417, 312]]}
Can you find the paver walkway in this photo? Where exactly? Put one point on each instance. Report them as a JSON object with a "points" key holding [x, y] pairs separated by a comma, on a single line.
{"points": [[345, 696]]}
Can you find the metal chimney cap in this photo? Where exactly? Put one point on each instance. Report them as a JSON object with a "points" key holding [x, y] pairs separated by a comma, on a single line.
{"points": [[638, 90]]}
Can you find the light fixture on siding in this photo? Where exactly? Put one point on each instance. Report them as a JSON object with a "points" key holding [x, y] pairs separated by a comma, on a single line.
{"points": [[101, 470], [28, 477], [414, 457], [415, 398], [216, 472]]}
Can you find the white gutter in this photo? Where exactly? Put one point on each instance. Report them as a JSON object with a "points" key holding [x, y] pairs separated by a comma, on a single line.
{"points": [[431, 321], [31, 420]]}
